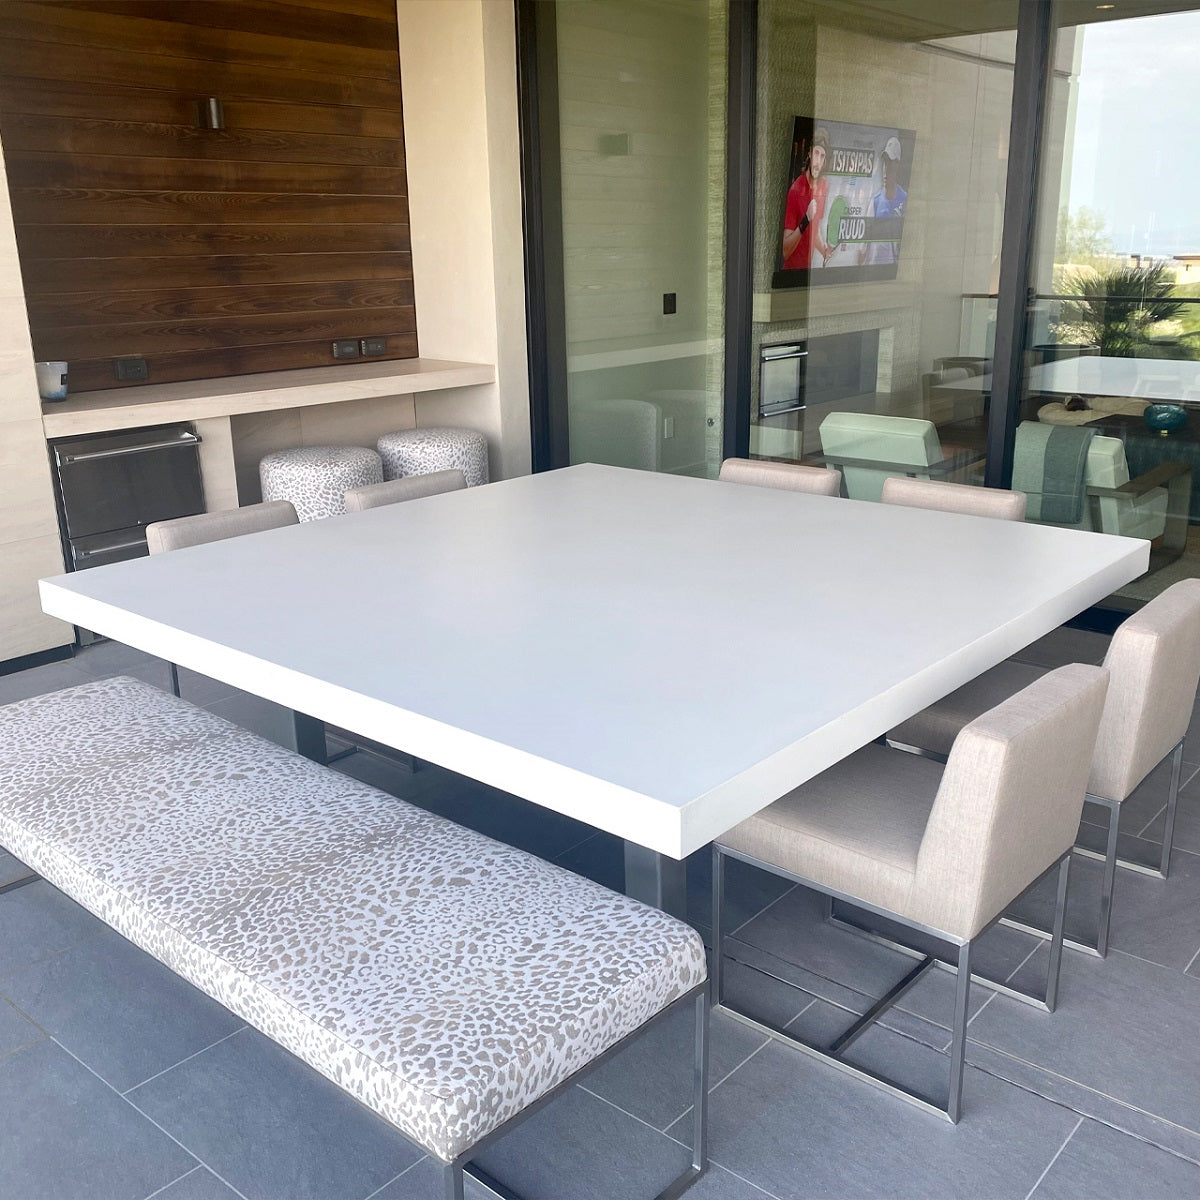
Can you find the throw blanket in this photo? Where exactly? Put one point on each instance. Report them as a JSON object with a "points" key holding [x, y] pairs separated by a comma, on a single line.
{"points": [[1048, 466]]}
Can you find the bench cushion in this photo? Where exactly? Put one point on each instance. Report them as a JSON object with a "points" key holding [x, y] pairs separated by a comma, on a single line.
{"points": [[444, 979]]}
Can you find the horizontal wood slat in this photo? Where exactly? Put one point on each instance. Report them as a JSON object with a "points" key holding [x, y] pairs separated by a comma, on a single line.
{"points": [[63, 26], [142, 233], [105, 308], [59, 135], [88, 375], [333, 24], [72, 276], [57, 206], [151, 338], [99, 171], [132, 105], [44, 60], [130, 241]]}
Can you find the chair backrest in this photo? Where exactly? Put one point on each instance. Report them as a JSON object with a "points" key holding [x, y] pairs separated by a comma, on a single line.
{"points": [[180, 532], [1010, 800], [899, 441], [411, 487], [1050, 467], [954, 497], [618, 432], [1107, 468], [791, 477], [1154, 665]]}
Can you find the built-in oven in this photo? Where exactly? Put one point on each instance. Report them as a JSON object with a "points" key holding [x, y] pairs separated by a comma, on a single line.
{"points": [[110, 486]]}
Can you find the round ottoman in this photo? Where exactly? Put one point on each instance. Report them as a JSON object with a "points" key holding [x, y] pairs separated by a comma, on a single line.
{"points": [[316, 478], [438, 448]]}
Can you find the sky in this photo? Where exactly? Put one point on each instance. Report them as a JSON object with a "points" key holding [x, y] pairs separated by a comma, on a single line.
{"points": [[1136, 155]]}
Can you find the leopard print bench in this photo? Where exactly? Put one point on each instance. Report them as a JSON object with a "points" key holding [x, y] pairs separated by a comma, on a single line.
{"points": [[447, 981]]}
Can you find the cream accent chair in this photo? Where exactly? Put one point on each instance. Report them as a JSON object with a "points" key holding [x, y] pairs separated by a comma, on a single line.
{"points": [[954, 497], [869, 447], [940, 850], [1149, 506], [1154, 668], [411, 487], [790, 477]]}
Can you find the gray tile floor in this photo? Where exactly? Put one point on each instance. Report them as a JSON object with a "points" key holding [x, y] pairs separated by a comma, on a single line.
{"points": [[119, 1080]]}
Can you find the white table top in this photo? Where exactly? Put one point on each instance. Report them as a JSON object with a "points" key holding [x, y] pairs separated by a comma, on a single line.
{"points": [[1151, 379], [655, 655]]}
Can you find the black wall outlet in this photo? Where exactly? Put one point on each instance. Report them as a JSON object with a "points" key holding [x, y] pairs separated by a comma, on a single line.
{"points": [[668, 303], [132, 368]]}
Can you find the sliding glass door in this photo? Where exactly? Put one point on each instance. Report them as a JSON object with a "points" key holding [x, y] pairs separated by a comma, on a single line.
{"points": [[1109, 432]]}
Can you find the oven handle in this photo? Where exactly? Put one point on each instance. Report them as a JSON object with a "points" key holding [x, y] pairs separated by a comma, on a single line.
{"points": [[184, 439], [110, 548]]}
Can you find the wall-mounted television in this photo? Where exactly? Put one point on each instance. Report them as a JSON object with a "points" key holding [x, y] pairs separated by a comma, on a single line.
{"points": [[847, 197]]}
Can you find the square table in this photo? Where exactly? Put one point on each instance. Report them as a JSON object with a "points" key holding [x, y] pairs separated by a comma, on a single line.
{"points": [[657, 656]]}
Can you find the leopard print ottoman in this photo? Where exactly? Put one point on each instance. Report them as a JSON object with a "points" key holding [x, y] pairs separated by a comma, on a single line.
{"points": [[438, 448], [316, 478]]}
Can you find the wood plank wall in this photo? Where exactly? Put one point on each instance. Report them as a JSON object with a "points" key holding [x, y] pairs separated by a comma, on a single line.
{"points": [[208, 253]]}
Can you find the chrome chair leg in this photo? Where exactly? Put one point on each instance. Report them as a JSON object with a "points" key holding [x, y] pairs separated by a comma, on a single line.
{"points": [[452, 1183], [1172, 805], [958, 1043], [174, 678], [1108, 881], [718, 937], [1054, 968]]}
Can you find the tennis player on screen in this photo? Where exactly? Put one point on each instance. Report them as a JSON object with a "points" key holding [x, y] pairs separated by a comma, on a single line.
{"points": [[806, 210]]}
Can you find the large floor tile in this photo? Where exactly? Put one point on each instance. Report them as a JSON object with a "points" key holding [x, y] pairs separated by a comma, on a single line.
{"points": [[271, 1127], [37, 921], [16, 1031], [118, 1010], [11, 868], [652, 1078], [583, 1148], [799, 1128], [68, 1135], [1124, 1027], [1152, 918], [424, 1181], [1100, 1163], [1187, 818], [52, 677], [200, 1184]]}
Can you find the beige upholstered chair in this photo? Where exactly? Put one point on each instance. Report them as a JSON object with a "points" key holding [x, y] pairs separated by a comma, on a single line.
{"points": [[411, 487], [176, 534], [954, 497], [791, 477], [1154, 664], [181, 532], [941, 850]]}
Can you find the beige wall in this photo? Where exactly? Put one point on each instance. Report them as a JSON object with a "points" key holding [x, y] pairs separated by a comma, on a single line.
{"points": [[458, 72], [29, 545]]}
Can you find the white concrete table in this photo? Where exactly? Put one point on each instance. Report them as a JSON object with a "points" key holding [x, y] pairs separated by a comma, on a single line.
{"points": [[1155, 380], [657, 656]]}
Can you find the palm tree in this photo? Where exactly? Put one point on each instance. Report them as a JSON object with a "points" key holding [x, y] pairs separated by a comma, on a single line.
{"points": [[1118, 309]]}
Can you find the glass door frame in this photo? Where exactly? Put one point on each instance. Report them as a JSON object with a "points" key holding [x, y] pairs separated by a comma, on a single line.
{"points": [[541, 194]]}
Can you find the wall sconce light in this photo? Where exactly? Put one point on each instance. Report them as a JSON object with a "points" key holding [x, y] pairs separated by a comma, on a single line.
{"points": [[212, 114]]}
